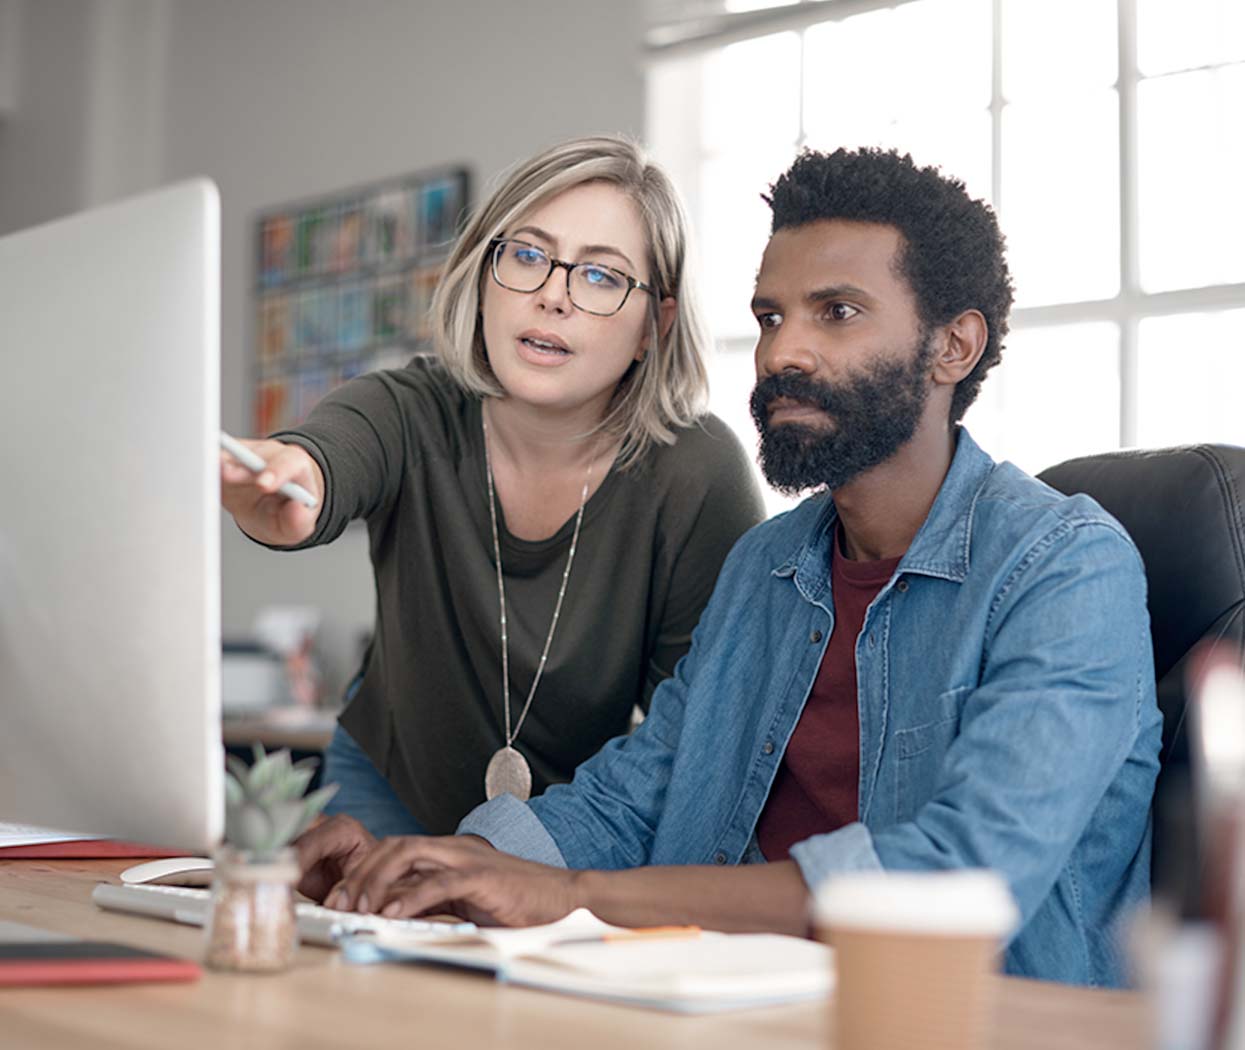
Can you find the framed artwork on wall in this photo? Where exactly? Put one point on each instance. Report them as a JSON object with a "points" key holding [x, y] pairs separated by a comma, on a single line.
{"points": [[344, 283]]}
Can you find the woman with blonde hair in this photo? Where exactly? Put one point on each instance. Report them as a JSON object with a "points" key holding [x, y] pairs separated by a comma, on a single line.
{"points": [[547, 502]]}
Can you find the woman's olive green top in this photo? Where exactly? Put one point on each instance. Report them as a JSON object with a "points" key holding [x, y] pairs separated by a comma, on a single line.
{"points": [[403, 450]]}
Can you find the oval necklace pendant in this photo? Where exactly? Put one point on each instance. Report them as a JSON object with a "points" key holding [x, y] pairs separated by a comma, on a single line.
{"points": [[508, 774]]}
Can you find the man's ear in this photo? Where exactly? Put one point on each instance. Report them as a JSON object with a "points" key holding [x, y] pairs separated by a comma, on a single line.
{"points": [[962, 344], [667, 310]]}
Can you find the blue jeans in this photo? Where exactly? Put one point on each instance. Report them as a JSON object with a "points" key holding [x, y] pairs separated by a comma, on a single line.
{"points": [[363, 792]]}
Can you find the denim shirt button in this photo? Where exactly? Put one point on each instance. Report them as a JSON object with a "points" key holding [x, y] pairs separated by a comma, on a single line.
{"points": [[901, 586], [815, 637], [767, 748], [719, 858], [873, 641]]}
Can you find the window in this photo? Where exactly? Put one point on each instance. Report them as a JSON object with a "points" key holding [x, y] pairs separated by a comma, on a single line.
{"points": [[1106, 133]]}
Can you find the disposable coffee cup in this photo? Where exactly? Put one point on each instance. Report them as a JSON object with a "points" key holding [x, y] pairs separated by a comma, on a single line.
{"points": [[915, 956]]}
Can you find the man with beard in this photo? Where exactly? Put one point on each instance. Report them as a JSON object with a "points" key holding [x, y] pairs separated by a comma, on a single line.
{"points": [[934, 662]]}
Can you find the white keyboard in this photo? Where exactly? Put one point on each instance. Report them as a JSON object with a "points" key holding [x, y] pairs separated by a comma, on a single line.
{"points": [[316, 924]]}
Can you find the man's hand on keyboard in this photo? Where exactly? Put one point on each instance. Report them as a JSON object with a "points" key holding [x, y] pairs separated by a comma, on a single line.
{"points": [[328, 851], [463, 874]]}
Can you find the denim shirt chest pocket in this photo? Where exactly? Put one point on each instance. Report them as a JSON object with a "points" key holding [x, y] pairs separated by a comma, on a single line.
{"points": [[920, 750]]}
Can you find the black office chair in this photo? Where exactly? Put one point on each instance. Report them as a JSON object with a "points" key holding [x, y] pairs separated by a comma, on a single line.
{"points": [[1182, 507]]}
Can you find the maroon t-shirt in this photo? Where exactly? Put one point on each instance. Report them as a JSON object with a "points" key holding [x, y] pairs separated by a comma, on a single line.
{"points": [[815, 789]]}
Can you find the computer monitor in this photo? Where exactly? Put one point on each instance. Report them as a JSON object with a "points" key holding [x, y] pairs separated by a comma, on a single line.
{"points": [[110, 521]]}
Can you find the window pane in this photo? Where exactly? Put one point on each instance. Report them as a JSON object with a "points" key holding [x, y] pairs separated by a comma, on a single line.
{"points": [[1058, 47], [752, 92], [875, 67], [1054, 395], [1191, 152], [922, 36], [890, 67], [672, 103], [1188, 34], [1061, 198], [734, 226], [849, 84], [1191, 373]]}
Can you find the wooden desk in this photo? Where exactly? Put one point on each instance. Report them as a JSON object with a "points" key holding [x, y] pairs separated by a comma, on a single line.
{"points": [[324, 1002]]}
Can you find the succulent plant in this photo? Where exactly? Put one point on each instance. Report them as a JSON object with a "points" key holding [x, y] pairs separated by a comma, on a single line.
{"points": [[265, 808]]}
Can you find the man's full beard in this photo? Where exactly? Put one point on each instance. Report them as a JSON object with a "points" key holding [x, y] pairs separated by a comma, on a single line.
{"points": [[871, 416]]}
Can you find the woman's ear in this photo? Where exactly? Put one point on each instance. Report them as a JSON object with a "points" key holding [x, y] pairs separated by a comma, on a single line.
{"points": [[667, 311]]}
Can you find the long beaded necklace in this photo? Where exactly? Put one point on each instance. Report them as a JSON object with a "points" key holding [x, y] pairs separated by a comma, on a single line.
{"points": [[508, 771]]}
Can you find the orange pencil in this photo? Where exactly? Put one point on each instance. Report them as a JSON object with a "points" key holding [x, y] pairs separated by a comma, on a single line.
{"points": [[673, 932], [638, 933]]}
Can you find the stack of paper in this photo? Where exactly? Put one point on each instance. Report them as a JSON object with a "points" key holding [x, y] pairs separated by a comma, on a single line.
{"points": [[699, 972], [23, 842], [27, 835]]}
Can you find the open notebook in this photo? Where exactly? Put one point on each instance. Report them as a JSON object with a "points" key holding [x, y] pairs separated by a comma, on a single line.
{"points": [[699, 973]]}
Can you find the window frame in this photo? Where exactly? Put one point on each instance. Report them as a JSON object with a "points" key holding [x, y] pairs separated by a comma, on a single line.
{"points": [[1126, 309]]}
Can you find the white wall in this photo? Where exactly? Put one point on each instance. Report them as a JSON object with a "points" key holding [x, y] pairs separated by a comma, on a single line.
{"points": [[10, 29], [43, 130], [281, 99]]}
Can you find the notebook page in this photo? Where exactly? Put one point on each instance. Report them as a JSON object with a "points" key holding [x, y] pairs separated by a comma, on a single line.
{"points": [[710, 964], [28, 835], [499, 942]]}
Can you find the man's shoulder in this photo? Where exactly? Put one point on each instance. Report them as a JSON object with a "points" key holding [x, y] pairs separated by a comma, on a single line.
{"points": [[1015, 512]]}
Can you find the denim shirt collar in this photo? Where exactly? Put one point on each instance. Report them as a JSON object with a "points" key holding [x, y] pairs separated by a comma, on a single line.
{"points": [[940, 547]]}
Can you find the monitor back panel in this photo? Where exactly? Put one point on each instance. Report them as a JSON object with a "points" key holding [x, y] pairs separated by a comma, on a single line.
{"points": [[109, 521]]}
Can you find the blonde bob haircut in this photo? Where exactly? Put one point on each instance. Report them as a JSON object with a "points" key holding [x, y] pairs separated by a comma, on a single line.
{"points": [[668, 388]]}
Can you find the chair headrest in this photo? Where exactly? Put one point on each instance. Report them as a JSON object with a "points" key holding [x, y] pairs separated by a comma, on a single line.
{"points": [[1182, 507]]}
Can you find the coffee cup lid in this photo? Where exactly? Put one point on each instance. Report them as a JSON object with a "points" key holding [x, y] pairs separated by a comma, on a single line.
{"points": [[973, 902]]}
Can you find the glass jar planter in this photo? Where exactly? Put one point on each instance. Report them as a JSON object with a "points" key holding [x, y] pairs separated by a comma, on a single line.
{"points": [[251, 926]]}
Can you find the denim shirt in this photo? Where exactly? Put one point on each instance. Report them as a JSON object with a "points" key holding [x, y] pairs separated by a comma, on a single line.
{"points": [[1007, 718]]}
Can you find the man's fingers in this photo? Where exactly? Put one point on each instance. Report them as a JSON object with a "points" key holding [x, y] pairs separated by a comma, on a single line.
{"points": [[317, 883], [367, 884], [327, 850], [368, 878], [340, 836], [450, 851], [430, 893]]}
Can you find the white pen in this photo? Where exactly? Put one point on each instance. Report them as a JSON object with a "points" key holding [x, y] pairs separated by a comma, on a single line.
{"points": [[256, 465]]}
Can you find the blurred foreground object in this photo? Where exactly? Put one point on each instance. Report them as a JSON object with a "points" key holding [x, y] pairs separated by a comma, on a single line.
{"points": [[1217, 686], [252, 925]]}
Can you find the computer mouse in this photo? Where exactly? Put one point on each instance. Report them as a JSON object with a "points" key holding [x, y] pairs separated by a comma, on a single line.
{"points": [[171, 871]]}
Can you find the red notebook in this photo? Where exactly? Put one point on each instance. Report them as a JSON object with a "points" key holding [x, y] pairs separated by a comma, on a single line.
{"points": [[43, 962], [87, 849]]}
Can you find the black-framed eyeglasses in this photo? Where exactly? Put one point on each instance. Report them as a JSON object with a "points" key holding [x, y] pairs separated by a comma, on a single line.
{"points": [[591, 287]]}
